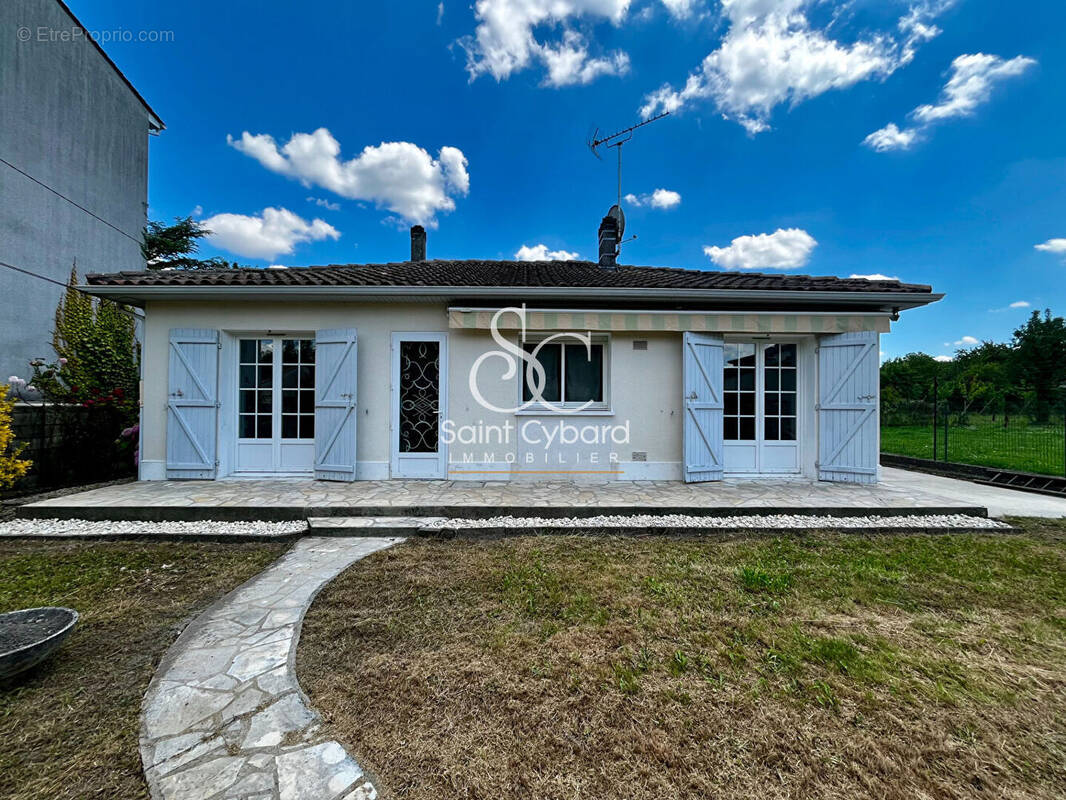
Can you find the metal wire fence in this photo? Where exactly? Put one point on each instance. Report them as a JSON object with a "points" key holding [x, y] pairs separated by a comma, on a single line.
{"points": [[1000, 433]]}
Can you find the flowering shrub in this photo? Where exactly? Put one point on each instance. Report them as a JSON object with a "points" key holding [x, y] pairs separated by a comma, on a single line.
{"points": [[11, 466]]}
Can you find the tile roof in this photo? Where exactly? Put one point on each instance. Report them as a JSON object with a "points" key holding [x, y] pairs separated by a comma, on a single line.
{"points": [[521, 274]]}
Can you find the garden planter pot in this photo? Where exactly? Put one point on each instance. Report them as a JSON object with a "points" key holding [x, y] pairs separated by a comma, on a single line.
{"points": [[29, 636]]}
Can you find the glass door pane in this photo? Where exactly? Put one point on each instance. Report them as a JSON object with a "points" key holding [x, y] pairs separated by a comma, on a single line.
{"points": [[256, 387], [779, 393], [298, 389], [739, 392], [419, 396]]}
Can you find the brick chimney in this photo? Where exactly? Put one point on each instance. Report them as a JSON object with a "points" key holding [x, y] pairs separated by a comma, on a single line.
{"points": [[609, 243], [418, 243]]}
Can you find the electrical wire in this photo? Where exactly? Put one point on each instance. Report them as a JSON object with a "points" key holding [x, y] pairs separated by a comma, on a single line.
{"points": [[32, 274]]}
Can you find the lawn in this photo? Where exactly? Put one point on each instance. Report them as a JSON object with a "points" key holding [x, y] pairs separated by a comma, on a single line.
{"points": [[1024, 447], [812, 666], [69, 728]]}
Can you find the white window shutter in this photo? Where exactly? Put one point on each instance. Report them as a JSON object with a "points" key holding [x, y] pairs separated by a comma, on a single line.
{"points": [[702, 379], [335, 404], [848, 391], [192, 404]]}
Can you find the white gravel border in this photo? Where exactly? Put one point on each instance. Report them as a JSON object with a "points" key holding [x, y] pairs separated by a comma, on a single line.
{"points": [[45, 528], [789, 521]]}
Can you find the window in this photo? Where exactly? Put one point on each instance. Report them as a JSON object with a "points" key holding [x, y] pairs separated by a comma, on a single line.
{"points": [[739, 392], [573, 374], [277, 379], [780, 393]]}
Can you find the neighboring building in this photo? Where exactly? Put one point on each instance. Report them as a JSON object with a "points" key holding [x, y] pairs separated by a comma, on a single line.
{"points": [[74, 169], [418, 370]]}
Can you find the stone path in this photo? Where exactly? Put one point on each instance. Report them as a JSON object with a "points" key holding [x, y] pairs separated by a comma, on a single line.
{"points": [[224, 717]]}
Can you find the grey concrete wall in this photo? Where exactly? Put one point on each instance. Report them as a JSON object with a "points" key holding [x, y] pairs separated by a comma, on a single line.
{"points": [[69, 120]]}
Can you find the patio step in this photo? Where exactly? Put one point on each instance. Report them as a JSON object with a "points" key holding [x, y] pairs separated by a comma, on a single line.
{"points": [[706, 524]]}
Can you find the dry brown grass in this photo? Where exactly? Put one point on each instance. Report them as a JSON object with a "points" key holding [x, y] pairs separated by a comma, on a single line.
{"points": [[69, 728], [816, 666]]}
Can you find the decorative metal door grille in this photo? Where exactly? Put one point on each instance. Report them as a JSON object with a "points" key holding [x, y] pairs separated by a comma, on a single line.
{"points": [[419, 397]]}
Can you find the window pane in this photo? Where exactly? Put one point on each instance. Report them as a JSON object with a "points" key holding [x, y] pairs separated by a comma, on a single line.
{"points": [[772, 405], [772, 355], [788, 405], [290, 377], [788, 429], [247, 401], [307, 377], [290, 351], [747, 380], [730, 354], [746, 352], [248, 350], [747, 429], [307, 401], [731, 429], [307, 426], [263, 426], [550, 358], [732, 380], [307, 351], [788, 380], [584, 374], [731, 404], [289, 426], [771, 430], [772, 380], [266, 377], [289, 401], [747, 403], [247, 426], [266, 351], [264, 402], [788, 355], [247, 377]]}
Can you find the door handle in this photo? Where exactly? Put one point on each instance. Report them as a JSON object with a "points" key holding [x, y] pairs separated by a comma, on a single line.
{"points": [[692, 396]]}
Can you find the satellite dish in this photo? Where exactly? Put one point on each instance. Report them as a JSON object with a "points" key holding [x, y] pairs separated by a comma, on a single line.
{"points": [[620, 217]]}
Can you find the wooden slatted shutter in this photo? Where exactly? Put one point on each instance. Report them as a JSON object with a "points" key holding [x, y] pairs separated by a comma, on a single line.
{"points": [[192, 404], [335, 404], [849, 383], [702, 378]]}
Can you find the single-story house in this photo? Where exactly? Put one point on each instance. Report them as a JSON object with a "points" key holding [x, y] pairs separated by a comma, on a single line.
{"points": [[506, 370]]}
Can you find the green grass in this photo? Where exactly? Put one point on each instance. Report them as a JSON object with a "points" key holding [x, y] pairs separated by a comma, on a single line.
{"points": [[1022, 446], [69, 726], [818, 666]]}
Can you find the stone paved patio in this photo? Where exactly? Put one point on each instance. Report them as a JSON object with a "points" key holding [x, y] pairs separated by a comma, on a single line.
{"points": [[224, 717], [297, 499]]}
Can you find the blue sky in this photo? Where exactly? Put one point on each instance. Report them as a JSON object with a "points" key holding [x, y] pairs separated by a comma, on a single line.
{"points": [[476, 116]]}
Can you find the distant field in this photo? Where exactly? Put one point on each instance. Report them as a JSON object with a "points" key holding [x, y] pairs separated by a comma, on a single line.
{"points": [[1025, 447]]}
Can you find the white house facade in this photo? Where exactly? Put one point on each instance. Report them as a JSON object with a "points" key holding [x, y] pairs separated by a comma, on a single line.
{"points": [[490, 370]]}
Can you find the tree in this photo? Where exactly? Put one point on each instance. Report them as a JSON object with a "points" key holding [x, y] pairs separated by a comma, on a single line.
{"points": [[172, 246], [1040, 361], [98, 358]]}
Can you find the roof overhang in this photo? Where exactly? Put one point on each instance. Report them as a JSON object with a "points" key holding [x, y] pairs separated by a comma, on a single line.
{"points": [[888, 302]]}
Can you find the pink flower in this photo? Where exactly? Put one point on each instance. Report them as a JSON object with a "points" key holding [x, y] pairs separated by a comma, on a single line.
{"points": [[62, 362]]}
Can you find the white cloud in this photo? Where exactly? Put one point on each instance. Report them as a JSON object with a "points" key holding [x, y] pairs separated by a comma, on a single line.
{"points": [[681, 9], [1056, 246], [198, 210], [968, 86], [771, 55], [540, 252], [324, 203], [398, 176], [967, 341], [1020, 304], [440, 14], [782, 249], [660, 198], [504, 41], [877, 276], [943, 358], [276, 231], [891, 137]]}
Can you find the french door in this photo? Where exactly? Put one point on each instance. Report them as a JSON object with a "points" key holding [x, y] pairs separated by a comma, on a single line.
{"points": [[419, 405], [276, 405], [761, 415]]}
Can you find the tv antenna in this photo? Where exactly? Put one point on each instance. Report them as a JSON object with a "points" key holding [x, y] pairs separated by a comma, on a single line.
{"points": [[617, 140]]}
